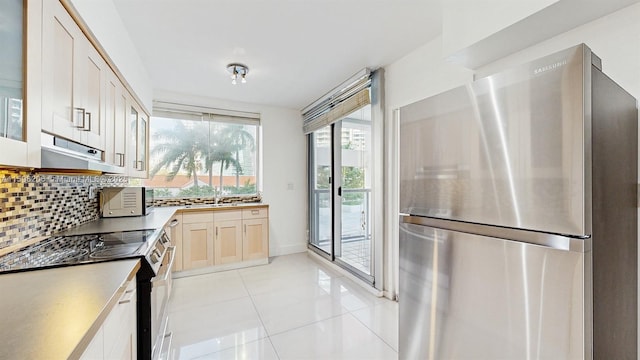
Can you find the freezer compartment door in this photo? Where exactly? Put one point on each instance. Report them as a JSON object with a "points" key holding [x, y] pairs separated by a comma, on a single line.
{"points": [[466, 296], [506, 150]]}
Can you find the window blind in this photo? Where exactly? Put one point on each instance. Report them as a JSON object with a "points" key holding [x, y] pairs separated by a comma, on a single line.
{"points": [[201, 113], [340, 102]]}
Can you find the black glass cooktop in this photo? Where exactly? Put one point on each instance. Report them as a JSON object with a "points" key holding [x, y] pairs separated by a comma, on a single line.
{"points": [[79, 249]]}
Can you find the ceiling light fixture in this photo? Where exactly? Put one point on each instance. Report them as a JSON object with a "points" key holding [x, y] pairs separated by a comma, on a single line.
{"points": [[238, 69]]}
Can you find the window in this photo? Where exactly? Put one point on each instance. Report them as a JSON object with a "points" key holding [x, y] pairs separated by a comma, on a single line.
{"points": [[202, 157]]}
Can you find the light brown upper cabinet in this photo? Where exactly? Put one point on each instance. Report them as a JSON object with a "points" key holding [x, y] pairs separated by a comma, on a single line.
{"points": [[116, 113], [20, 95], [73, 82], [138, 138]]}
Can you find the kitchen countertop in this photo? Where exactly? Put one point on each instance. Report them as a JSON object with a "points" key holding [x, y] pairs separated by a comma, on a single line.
{"points": [[157, 219], [54, 313]]}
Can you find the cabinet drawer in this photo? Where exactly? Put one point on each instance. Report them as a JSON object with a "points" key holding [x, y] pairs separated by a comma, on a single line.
{"points": [[197, 217], [227, 215], [255, 213]]}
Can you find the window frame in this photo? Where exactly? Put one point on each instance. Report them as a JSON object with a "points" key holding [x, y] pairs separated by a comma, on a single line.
{"points": [[193, 113]]}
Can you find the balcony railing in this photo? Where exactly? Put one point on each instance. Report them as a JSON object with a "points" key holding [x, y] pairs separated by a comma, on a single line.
{"points": [[356, 216]]}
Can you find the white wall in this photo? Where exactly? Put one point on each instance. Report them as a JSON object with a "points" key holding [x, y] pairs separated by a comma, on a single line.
{"points": [[420, 74], [465, 22], [283, 148], [615, 38], [105, 23]]}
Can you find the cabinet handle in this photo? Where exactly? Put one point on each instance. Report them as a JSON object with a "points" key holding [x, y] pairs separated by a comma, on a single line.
{"points": [[245, 228], [216, 232], [120, 157], [255, 212], [135, 164], [174, 223], [80, 114], [84, 124]]}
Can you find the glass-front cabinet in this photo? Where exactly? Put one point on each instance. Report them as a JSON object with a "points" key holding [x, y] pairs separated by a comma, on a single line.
{"points": [[20, 27], [138, 141]]}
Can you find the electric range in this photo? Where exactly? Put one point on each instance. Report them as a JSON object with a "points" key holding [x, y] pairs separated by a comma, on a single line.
{"points": [[89, 248], [153, 280]]}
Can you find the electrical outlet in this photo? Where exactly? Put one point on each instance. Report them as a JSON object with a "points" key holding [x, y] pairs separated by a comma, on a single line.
{"points": [[91, 192]]}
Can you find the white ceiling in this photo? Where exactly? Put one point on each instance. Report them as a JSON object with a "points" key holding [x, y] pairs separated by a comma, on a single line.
{"points": [[296, 50]]}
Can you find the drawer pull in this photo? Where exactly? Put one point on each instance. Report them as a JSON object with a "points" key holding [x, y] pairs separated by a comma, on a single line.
{"points": [[128, 299], [255, 212]]}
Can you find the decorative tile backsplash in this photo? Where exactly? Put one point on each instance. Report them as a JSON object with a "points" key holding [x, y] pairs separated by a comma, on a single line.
{"points": [[207, 200], [33, 205]]}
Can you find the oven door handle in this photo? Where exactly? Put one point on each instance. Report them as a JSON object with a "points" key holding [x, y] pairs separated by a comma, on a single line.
{"points": [[171, 249]]}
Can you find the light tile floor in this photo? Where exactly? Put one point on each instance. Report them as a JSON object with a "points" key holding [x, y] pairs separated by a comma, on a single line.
{"points": [[293, 308]]}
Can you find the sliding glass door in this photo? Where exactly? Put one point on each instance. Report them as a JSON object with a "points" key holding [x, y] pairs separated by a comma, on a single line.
{"points": [[355, 193], [340, 192], [320, 190]]}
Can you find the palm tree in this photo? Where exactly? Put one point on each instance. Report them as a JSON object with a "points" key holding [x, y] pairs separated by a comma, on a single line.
{"points": [[177, 149], [239, 139]]}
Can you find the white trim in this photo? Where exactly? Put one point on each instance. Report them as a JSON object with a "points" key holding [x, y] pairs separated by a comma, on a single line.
{"points": [[364, 73], [345, 273], [178, 107], [218, 268], [289, 249]]}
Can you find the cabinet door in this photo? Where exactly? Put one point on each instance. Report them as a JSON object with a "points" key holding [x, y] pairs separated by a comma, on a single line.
{"points": [[116, 121], [95, 350], [174, 231], [255, 243], [228, 241], [62, 43], [20, 96], [93, 77], [138, 137], [120, 330], [197, 245]]}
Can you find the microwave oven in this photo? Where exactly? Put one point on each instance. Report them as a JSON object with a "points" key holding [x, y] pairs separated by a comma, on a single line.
{"points": [[125, 201]]}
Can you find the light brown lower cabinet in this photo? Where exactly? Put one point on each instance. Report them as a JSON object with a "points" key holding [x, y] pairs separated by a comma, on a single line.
{"points": [[228, 242], [220, 237], [255, 242], [197, 245]]}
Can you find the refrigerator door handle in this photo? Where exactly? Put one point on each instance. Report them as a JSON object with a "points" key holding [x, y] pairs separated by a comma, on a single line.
{"points": [[554, 241]]}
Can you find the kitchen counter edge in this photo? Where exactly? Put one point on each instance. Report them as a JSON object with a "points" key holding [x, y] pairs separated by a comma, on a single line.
{"points": [[157, 219]]}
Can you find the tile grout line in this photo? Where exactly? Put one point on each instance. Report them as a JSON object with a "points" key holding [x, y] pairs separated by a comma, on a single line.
{"points": [[372, 330], [259, 316]]}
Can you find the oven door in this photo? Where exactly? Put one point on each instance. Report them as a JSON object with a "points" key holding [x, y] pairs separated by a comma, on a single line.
{"points": [[160, 294]]}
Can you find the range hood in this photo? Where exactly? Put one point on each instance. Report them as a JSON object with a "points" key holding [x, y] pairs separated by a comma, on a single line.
{"points": [[62, 154]]}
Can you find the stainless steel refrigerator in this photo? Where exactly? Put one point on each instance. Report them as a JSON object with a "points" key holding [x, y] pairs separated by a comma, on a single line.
{"points": [[518, 226]]}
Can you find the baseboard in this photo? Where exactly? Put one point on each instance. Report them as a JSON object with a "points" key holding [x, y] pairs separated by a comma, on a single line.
{"points": [[312, 254], [218, 268], [289, 249]]}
